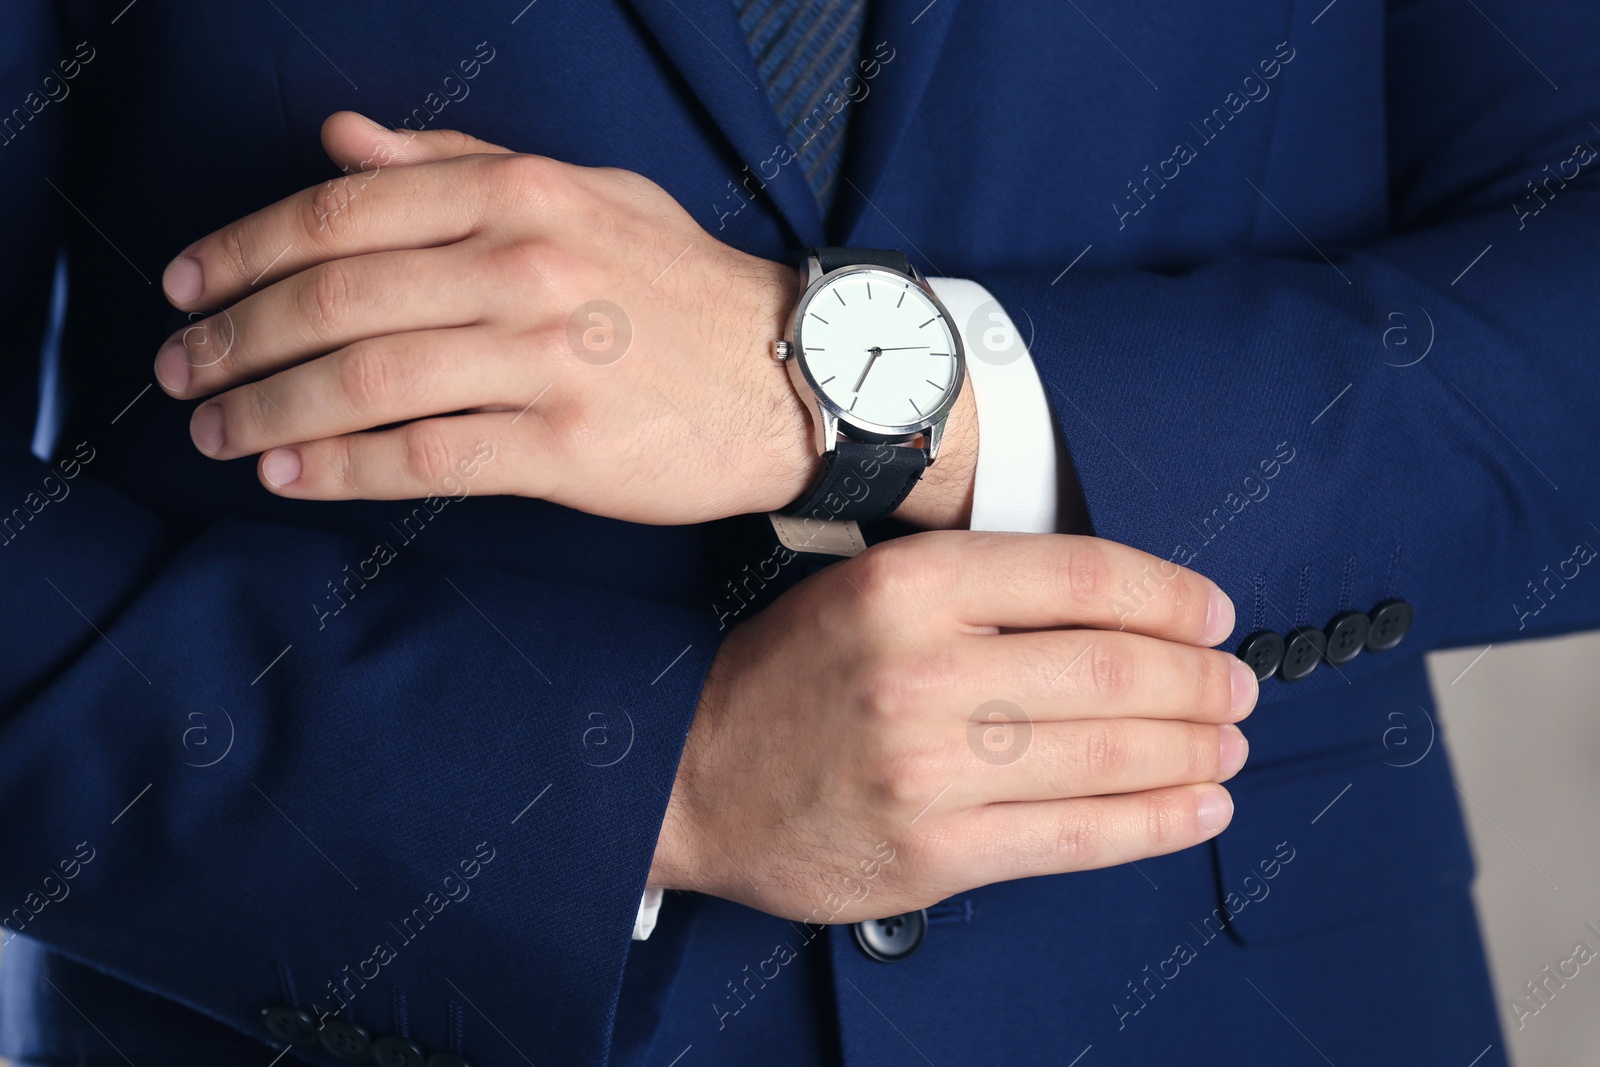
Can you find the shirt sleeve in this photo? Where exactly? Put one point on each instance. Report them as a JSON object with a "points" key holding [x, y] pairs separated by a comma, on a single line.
{"points": [[1015, 486]]}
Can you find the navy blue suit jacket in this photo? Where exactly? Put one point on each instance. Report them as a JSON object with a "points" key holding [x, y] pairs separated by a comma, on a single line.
{"points": [[1325, 336]]}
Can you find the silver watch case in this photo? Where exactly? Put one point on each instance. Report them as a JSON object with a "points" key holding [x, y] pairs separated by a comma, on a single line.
{"points": [[826, 416]]}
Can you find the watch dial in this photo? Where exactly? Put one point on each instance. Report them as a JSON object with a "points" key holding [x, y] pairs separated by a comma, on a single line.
{"points": [[878, 348]]}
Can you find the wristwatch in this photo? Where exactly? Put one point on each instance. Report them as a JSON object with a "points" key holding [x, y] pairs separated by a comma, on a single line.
{"points": [[878, 364]]}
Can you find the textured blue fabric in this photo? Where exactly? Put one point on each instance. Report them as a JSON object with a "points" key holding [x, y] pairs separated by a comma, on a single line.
{"points": [[805, 51], [1198, 329]]}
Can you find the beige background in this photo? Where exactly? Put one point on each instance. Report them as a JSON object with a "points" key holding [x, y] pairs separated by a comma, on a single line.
{"points": [[1523, 726]]}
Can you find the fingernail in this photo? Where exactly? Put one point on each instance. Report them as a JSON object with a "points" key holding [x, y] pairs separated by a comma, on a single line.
{"points": [[1216, 809], [1234, 749], [206, 429], [280, 467], [183, 280], [1219, 617], [1245, 687], [172, 367]]}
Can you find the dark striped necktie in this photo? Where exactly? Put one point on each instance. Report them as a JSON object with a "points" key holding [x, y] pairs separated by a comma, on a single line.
{"points": [[804, 50]]}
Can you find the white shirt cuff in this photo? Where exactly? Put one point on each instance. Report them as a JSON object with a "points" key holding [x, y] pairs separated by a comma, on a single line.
{"points": [[1015, 486], [649, 907]]}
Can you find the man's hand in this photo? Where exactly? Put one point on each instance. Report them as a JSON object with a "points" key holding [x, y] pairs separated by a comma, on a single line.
{"points": [[613, 353], [851, 758]]}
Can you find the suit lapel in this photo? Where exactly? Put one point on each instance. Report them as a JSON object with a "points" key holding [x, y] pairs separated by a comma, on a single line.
{"points": [[703, 40], [916, 31]]}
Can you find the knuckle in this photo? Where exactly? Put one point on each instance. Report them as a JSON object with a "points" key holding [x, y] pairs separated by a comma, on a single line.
{"points": [[325, 298], [1213, 684], [240, 261], [909, 780], [1111, 672], [1166, 820], [341, 461], [1083, 571], [1204, 753], [1077, 840], [327, 210], [894, 690], [1184, 598], [427, 455], [366, 378], [1107, 752], [454, 142], [526, 179], [885, 572], [261, 414]]}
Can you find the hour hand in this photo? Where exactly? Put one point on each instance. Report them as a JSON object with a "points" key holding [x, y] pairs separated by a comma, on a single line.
{"points": [[871, 359]]}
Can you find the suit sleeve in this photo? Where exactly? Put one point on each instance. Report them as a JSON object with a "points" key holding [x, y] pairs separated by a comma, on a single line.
{"points": [[1415, 419], [441, 803]]}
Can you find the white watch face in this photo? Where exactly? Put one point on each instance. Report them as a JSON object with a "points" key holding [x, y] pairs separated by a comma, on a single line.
{"points": [[878, 349]]}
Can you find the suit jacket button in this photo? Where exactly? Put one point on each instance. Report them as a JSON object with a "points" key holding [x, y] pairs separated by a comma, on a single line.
{"points": [[893, 939], [1301, 653], [346, 1041], [391, 1051], [447, 1059], [291, 1025], [1347, 636], [1263, 650], [1391, 621]]}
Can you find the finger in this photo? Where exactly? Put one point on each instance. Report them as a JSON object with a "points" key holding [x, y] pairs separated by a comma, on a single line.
{"points": [[1101, 674], [371, 383], [1100, 757], [357, 144], [1023, 840], [487, 453], [1039, 580], [369, 211], [321, 309]]}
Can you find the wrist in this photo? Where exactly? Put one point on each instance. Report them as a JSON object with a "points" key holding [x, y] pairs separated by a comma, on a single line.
{"points": [[679, 862], [783, 459], [942, 498]]}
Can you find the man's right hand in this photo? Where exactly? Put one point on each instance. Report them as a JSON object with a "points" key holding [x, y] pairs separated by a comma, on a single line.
{"points": [[842, 766]]}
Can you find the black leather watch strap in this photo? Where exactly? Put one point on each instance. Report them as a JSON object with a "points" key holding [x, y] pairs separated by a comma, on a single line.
{"points": [[832, 258], [862, 482]]}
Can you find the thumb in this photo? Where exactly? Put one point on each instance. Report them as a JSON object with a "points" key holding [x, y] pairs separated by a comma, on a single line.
{"points": [[354, 142]]}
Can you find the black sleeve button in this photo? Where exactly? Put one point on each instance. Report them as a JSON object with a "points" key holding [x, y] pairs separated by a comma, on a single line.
{"points": [[447, 1059], [893, 939], [291, 1025], [391, 1051], [1301, 653], [1263, 651], [345, 1041], [1347, 636], [1391, 621]]}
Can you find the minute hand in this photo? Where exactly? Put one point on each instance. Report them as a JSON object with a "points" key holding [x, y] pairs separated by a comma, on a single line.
{"points": [[902, 348]]}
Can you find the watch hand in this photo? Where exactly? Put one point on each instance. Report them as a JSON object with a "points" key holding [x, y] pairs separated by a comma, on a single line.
{"points": [[871, 359], [902, 348]]}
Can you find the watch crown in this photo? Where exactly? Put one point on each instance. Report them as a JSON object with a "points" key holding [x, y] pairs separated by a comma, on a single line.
{"points": [[781, 350]]}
